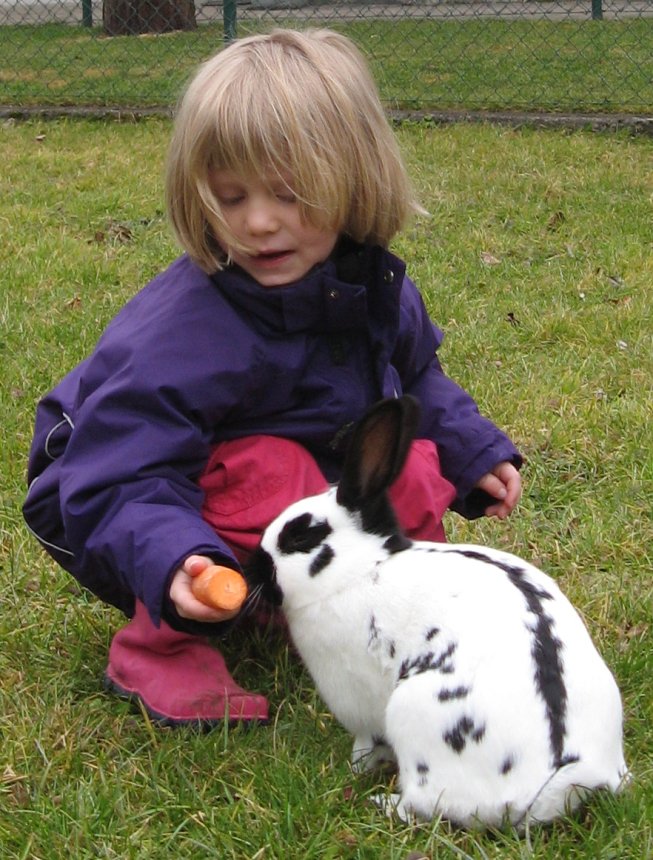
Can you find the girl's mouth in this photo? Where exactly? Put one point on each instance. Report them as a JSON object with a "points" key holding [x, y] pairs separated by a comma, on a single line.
{"points": [[271, 257]]}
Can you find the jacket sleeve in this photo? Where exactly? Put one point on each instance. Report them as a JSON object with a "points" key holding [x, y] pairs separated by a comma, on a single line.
{"points": [[129, 515], [129, 498], [469, 444]]}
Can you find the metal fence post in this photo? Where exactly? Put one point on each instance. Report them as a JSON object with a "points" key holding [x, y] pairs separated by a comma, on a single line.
{"points": [[229, 17], [597, 10], [87, 13]]}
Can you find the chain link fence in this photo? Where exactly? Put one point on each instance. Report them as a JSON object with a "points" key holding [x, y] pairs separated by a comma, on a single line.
{"points": [[594, 56]]}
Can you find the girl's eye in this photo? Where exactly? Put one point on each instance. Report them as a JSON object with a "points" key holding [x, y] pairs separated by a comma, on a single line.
{"points": [[285, 195], [231, 201]]}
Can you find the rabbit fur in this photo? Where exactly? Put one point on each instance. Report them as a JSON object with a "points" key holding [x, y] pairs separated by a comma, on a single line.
{"points": [[464, 665]]}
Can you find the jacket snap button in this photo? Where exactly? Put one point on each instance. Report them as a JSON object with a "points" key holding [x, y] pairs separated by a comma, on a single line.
{"points": [[389, 276], [334, 294]]}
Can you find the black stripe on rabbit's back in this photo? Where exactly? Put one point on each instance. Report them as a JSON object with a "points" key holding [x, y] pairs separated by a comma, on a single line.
{"points": [[546, 651], [468, 662]]}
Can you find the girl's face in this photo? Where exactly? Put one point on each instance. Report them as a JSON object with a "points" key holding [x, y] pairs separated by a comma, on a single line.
{"points": [[264, 217]]}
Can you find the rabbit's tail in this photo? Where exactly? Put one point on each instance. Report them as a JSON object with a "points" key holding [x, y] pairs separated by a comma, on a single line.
{"points": [[570, 784]]}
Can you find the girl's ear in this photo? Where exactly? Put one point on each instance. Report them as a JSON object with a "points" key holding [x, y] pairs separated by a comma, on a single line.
{"points": [[377, 450]]}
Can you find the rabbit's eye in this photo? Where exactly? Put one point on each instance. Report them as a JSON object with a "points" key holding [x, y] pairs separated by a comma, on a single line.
{"points": [[302, 534]]}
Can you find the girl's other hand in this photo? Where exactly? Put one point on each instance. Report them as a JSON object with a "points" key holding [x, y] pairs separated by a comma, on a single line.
{"points": [[502, 483], [186, 604]]}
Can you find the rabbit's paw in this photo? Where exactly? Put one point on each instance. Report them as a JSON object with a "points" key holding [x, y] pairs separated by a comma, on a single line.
{"points": [[372, 753], [387, 803], [392, 804]]}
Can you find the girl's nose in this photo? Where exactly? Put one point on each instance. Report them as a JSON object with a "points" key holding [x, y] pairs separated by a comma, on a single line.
{"points": [[261, 218]]}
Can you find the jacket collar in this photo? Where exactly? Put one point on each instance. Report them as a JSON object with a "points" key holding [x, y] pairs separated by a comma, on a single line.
{"points": [[331, 297]]}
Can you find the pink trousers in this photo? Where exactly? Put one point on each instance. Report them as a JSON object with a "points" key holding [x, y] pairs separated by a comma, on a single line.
{"points": [[248, 482], [178, 678]]}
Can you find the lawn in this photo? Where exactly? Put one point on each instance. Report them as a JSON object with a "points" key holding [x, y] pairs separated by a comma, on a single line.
{"points": [[483, 63], [537, 260]]}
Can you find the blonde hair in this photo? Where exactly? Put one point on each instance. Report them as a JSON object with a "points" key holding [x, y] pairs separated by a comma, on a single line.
{"points": [[299, 104]]}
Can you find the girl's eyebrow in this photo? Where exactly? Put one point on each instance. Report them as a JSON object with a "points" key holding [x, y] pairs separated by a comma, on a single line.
{"points": [[227, 180], [228, 189], [283, 183]]}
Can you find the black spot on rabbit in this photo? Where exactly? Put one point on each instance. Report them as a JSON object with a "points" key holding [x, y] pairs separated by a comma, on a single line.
{"points": [[429, 662], [322, 559], [397, 543], [302, 535], [373, 631], [465, 728], [457, 693], [423, 770], [506, 766]]}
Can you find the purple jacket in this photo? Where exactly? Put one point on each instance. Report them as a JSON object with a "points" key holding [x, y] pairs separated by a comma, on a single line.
{"points": [[193, 360]]}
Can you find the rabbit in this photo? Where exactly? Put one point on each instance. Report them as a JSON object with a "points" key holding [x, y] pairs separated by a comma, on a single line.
{"points": [[464, 666]]}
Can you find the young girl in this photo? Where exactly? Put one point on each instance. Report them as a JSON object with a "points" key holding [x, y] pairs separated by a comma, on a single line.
{"points": [[227, 387]]}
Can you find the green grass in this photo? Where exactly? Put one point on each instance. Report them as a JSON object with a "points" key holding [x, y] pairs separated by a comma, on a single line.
{"points": [[482, 63], [536, 259]]}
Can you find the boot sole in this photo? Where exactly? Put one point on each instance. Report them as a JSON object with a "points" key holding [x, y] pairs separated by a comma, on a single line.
{"points": [[203, 724]]}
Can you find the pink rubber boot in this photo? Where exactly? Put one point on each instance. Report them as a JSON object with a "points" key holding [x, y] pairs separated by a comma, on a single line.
{"points": [[179, 678]]}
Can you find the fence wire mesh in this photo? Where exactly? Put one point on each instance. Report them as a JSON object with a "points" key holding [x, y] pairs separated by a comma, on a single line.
{"points": [[532, 55]]}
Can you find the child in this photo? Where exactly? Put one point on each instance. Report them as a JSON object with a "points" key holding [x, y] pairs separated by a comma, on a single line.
{"points": [[227, 387]]}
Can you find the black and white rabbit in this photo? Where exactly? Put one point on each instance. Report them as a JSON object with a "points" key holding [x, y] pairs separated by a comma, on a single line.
{"points": [[465, 665]]}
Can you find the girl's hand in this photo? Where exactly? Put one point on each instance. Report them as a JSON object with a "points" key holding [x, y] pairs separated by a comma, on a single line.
{"points": [[186, 604], [502, 483]]}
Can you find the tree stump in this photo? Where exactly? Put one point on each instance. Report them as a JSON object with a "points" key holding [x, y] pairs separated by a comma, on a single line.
{"points": [[131, 17]]}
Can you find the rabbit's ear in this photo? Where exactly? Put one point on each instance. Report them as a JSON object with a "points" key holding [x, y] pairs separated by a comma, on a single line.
{"points": [[377, 450]]}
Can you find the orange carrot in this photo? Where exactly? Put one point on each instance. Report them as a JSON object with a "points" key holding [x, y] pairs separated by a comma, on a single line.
{"points": [[220, 587]]}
